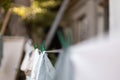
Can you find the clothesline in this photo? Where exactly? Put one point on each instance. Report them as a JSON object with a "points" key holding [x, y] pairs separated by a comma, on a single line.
{"points": [[54, 51]]}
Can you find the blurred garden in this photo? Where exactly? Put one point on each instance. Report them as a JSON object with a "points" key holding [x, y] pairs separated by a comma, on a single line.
{"points": [[31, 19]]}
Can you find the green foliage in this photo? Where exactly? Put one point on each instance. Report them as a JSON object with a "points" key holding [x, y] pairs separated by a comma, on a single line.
{"points": [[47, 3], [5, 4], [39, 13]]}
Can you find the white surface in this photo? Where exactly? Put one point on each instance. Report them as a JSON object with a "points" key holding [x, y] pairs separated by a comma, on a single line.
{"points": [[114, 15], [97, 60], [13, 49]]}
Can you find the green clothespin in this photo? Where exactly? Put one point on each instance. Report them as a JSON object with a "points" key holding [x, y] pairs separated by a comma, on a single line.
{"points": [[62, 39], [65, 42], [36, 46], [42, 47]]}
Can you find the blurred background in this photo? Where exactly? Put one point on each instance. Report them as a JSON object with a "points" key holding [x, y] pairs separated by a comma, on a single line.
{"points": [[40, 20]]}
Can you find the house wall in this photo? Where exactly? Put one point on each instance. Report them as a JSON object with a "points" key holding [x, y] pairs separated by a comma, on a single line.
{"points": [[85, 19]]}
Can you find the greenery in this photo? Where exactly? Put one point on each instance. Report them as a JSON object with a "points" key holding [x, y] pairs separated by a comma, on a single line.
{"points": [[5, 4], [39, 13]]}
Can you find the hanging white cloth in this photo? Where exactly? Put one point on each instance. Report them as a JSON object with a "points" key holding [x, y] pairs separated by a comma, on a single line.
{"points": [[41, 67], [46, 69], [28, 50], [97, 63], [64, 69], [97, 59], [31, 68]]}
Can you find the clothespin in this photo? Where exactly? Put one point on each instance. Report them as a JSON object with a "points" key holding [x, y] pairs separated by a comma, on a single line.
{"points": [[36, 46], [65, 42], [62, 39], [42, 47]]}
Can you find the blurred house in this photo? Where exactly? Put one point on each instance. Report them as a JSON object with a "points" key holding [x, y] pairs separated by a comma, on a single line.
{"points": [[86, 19]]}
